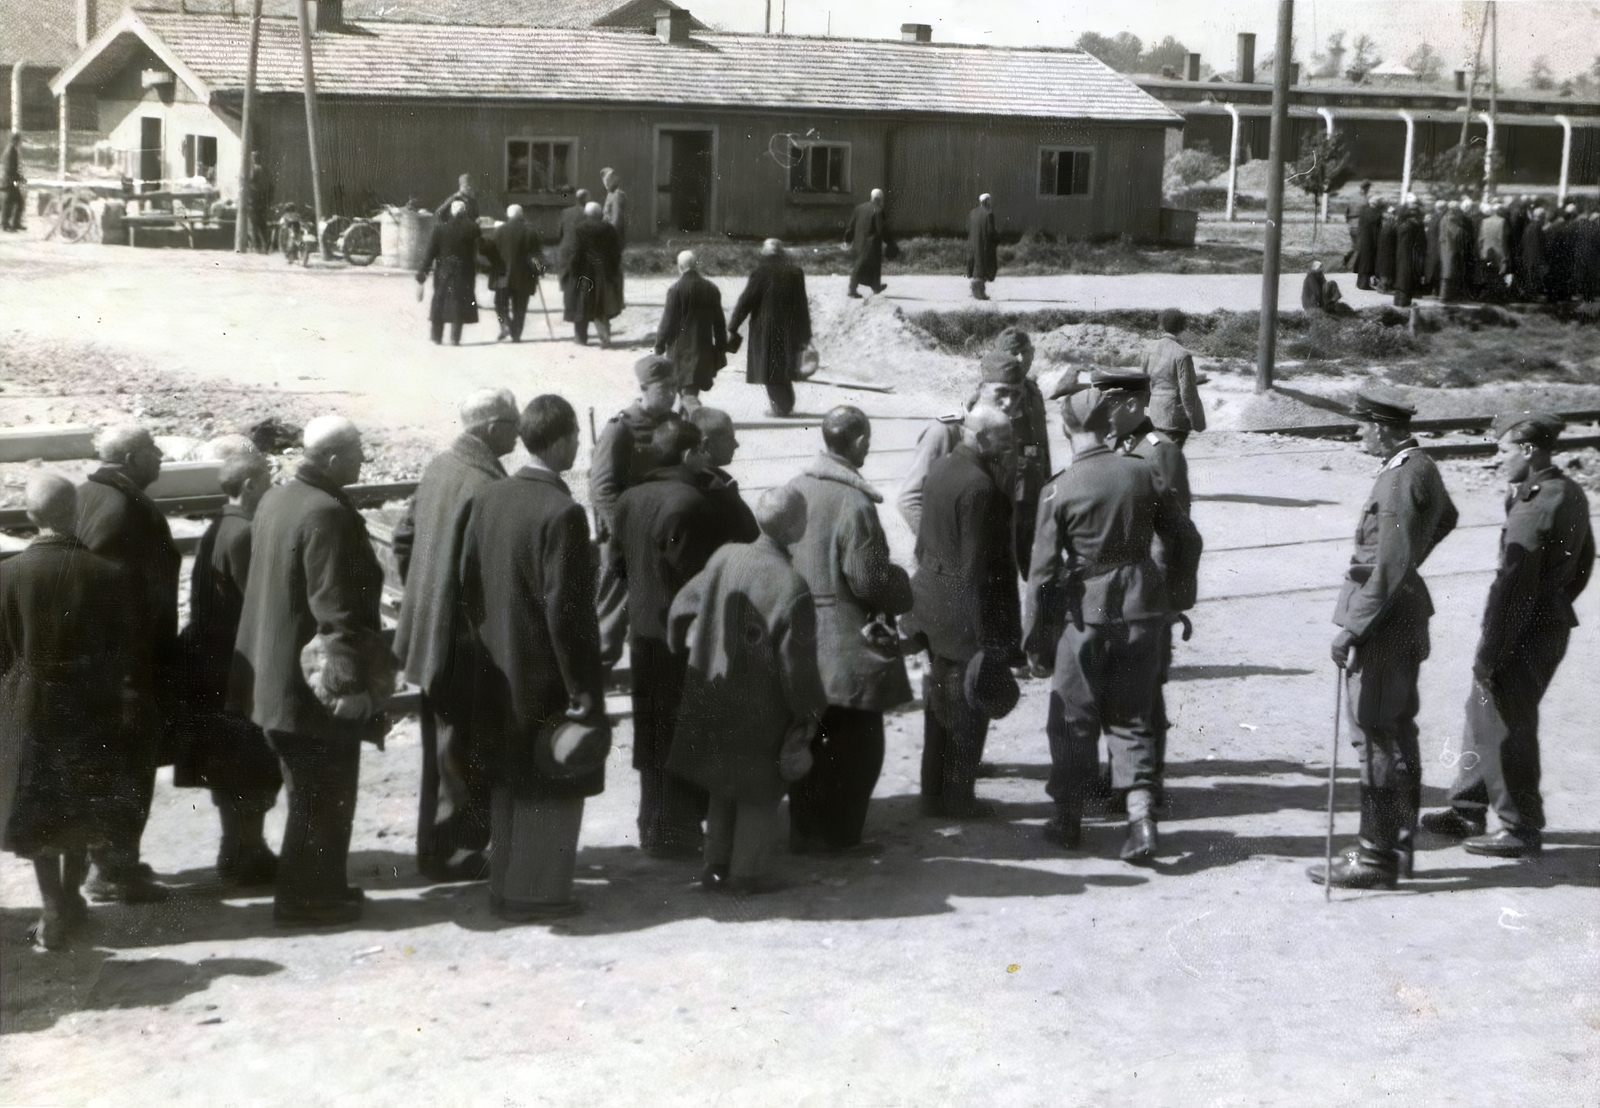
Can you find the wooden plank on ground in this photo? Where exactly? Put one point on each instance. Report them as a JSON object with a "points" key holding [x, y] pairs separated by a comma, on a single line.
{"points": [[49, 442]]}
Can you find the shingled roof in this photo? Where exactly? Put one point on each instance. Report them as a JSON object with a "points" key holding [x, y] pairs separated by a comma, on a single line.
{"points": [[401, 60], [625, 14]]}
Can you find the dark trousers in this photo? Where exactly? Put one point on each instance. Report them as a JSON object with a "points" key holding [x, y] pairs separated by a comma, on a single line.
{"points": [[511, 309], [436, 332], [670, 808], [117, 856], [780, 394], [953, 734], [1025, 517], [1381, 706], [453, 803], [611, 606], [1500, 746], [1105, 680], [740, 835], [828, 806], [11, 208], [321, 776]]}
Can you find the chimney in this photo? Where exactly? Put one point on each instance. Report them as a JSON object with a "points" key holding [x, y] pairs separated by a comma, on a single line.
{"points": [[916, 32], [1245, 73], [87, 22], [1294, 73], [327, 15], [1194, 67], [672, 25], [1461, 80]]}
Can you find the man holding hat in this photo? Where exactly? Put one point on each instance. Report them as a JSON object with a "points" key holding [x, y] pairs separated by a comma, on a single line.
{"points": [[1096, 606], [620, 460], [1546, 554], [1383, 612], [1174, 392], [983, 242]]}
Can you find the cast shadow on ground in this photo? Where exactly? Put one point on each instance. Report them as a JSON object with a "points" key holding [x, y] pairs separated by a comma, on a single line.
{"points": [[42, 987], [1222, 673], [1264, 501], [1312, 400]]}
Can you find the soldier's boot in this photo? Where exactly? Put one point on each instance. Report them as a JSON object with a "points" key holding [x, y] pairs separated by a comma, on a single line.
{"points": [[1376, 864], [978, 292], [1065, 828], [1142, 842]]}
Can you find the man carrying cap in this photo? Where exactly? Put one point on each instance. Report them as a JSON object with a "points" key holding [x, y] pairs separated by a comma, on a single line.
{"points": [[1383, 612], [1096, 605], [1546, 554]]}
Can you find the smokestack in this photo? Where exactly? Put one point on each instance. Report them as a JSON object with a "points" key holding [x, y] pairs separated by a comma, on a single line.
{"points": [[916, 32], [1194, 67], [87, 22], [1461, 80], [1246, 74], [672, 25], [1294, 73]]}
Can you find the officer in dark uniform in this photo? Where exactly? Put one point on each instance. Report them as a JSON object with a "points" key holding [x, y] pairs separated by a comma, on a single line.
{"points": [[1383, 614], [1096, 606], [1030, 430], [621, 459], [1546, 555]]}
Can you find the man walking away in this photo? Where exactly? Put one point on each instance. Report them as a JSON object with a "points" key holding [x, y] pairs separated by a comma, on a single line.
{"points": [[1175, 407], [520, 263], [452, 257], [774, 300], [694, 330], [592, 277], [983, 247], [865, 234]]}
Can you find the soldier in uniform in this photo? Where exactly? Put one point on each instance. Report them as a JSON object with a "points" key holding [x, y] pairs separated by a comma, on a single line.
{"points": [[1096, 606], [1546, 555], [1383, 614], [620, 460], [944, 433]]}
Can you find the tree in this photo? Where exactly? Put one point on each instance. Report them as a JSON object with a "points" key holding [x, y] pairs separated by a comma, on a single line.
{"points": [[1426, 62], [1333, 58], [1169, 51], [1120, 52], [1540, 75], [1322, 169], [1364, 57]]}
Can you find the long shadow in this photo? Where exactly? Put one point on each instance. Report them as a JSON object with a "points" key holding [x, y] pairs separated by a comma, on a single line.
{"points": [[1312, 400], [1221, 673], [373, 870], [1264, 501]]}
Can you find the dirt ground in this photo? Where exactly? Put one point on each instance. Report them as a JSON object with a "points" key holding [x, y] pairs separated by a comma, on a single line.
{"points": [[965, 964]]}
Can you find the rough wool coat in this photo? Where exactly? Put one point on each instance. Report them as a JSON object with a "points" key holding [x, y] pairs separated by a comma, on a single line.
{"points": [[1369, 222], [774, 301], [1407, 238], [452, 257], [63, 755], [693, 328], [621, 458], [664, 530], [591, 273], [865, 234], [983, 245], [1174, 392], [844, 558], [516, 253], [749, 628], [428, 548], [312, 572], [528, 585], [1383, 269]]}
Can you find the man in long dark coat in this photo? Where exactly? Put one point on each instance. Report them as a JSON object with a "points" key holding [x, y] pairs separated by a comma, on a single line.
{"points": [[1532, 263], [694, 330], [518, 261], [983, 247], [1369, 222], [452, 257], [63, 750], [752, 696], [11, 181], [1383, 268], [591, 277], [664, 530], [1430, 265], [774, 300], [223, 752], [1383, 612], [117, 520], [1453, 235], [865, 234], [432, 642], [528, 583], [570, 218], [313, 574], [844, 558], [1546, 557], [966, 607], [1407, 234]]}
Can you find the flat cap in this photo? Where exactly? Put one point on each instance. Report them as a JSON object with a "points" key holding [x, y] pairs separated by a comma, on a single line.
{"points": [[1118, 379], [1004, 367], [1381, 404], [1539, 428], [653, 368]]}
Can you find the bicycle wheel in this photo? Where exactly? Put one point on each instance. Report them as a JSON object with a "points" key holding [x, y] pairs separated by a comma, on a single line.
{"points": [[332, 230], [362, 243], [76, 222]]}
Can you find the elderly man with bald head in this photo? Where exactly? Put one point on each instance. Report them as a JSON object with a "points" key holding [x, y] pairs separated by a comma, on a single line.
{"points": [[452, 258], [313, 574], [117, 520], [694, 330], [431, 639], [64, 754], [591, 276], [774, 301], [517, 261], [866, 235]]}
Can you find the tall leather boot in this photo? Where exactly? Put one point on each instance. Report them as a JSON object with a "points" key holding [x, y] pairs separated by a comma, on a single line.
{"points": [[1376, 863], [1141, 844]]}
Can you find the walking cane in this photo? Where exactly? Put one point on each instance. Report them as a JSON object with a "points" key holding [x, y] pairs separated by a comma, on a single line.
{"points": [[548, 326], [1333, 771]]}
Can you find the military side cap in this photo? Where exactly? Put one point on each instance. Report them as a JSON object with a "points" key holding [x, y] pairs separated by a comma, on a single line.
{"points": [[1379, 404], [1078, 405], [1002, 367], [1013, 340], [653, 369], [1538, 428], [1117, 379]]}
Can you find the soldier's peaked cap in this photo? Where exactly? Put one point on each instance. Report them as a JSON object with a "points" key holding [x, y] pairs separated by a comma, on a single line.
{"points": [[653, 368], [1117, 379], [1379, 404], [1539, 428]]}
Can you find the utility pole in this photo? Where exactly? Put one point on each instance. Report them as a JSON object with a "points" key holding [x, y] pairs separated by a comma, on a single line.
{"points": [[1494, 95], [1272, 255], [311, 121], [769, 17], [1472, 84], [241, 225]]}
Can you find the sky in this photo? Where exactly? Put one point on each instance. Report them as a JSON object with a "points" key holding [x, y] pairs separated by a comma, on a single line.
{"points": [[1566, 32]]}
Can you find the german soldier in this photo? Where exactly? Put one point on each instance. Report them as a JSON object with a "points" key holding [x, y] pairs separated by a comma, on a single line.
{"points": [[1383, 613]]}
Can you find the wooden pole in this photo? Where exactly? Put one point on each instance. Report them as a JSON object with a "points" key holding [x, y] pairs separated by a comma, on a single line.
{"points": [[1472, 84], [241, 226], [61, 121], [1271, 256], [769, 17], [311, 121], [1494, 95]]}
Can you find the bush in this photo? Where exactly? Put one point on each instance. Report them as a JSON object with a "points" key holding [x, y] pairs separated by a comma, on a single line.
{"points": [[1190, 167]]}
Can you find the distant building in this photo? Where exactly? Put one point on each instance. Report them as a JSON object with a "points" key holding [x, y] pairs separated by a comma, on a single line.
{"points": [[37, 39], [714, 133]]}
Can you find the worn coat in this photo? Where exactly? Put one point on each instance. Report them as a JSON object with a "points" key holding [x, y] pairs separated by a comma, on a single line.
{"points": [[748, 626], [64, 759], [965, 587], [1407, 240], [312, 572], [719, 485], [774, 300], [620, 460], [865, 234], [591, 273], [1174, 393], [1531, 264], [1369, 222], [615, 212], [983, 245], [452, 257], [517, 257], [528, 582], [694, 330], [428, 636], [664, 530], [844, 558], [1453, 238], [1383, 269]]}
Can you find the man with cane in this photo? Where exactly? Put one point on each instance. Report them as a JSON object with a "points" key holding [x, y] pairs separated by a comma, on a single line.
{"points": [[1383, 612]]}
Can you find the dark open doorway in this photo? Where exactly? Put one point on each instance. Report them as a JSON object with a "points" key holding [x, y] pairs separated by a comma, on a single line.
{"points": [[685, 174], [150, 153]]}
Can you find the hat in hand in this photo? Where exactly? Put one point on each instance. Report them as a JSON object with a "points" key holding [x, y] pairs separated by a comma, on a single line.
{"points": [[989, 685]]}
